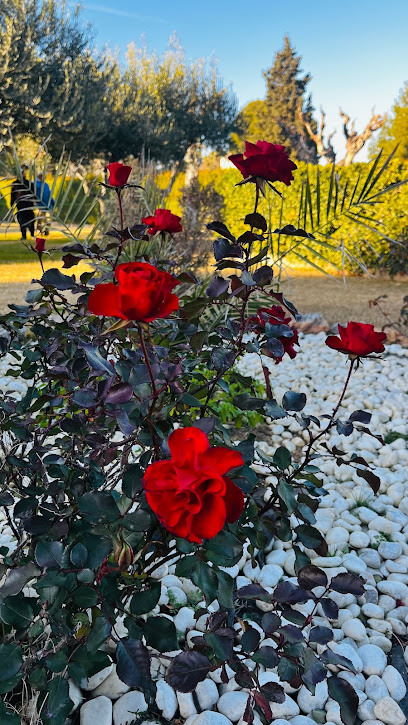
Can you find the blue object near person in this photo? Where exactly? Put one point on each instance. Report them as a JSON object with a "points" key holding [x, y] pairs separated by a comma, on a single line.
{"points": [[43, 192]]}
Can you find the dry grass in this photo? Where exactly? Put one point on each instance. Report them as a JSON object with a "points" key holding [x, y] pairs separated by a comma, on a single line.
{"points": [[26, 271], [343, 300]]}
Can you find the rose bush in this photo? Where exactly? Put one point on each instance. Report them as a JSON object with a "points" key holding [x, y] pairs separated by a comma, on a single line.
{"points": [[115, 463]]}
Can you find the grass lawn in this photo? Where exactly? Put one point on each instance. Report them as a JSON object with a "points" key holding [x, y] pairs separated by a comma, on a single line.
{"points": [[336, 299]]}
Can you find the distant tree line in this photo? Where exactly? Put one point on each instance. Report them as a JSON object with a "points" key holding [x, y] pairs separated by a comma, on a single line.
{"points": [[53, 83], [55, 86]]}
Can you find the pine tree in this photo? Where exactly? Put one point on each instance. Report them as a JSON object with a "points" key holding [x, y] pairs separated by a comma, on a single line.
{"points": [[285, 98]]}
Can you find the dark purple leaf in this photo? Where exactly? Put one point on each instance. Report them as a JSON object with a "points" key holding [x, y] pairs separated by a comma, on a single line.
{"points": [[348, 583], [372, 479], [360, 416], [217, 287], [330, 608], [120, 393], [253, 591], [221, 229], [321, 635], [341, 691], [133, 662], [311, 576]]}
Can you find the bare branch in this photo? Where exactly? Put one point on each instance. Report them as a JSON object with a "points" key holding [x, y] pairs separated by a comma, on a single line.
{"points": [[324, 151], [355, 141]]}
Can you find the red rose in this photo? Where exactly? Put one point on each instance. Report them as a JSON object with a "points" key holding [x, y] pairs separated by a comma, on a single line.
{"points": [[190, 493], [276, 316], [357, 339], [266, 161], [143, 293], [163, 221], [39, 244], [118, 174]]}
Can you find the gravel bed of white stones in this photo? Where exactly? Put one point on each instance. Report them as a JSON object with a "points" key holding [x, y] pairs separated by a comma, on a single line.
{"points": [[366, 534]]}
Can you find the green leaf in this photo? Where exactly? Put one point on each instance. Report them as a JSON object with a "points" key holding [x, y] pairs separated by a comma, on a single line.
{"points": [[132, 482], [286, 669], [48, 554], [98, 634], [161, 634], [133, 662], [54, 278], [294, 401], [58, 704], [282, 458], [79, 555], [16, 611], [143, 602], [309, 536], [98, 507], [286, 493], [224, 549], [85, 597], [11, 660]]}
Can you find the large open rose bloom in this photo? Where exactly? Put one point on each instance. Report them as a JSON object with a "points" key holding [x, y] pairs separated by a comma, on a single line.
{"points": [[143, 294], [118, 174], [266, 161], [357, 339], [163, 221], [276, 316], [190, 493]]}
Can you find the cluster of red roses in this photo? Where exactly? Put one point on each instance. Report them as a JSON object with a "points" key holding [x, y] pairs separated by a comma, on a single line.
{"points": [[190, 493]]}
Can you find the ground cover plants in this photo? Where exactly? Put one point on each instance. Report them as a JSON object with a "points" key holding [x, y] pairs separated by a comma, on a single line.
{"points": [[116, 461]]}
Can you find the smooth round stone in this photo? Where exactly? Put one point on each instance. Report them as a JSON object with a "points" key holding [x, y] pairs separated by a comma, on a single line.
{"points": [[270, 575], [380, 640], [208, 717], [98, 711], [395, 589], [371, 558], [285, 710], [176, 596], [125, 708], [346, 650], [373, 611], [166, 700], [92, 682], [389, 712], [327, 562], [354, 564], [337, 536], [207, 694], [112, 687], [276, 556], [375, 688], [75, 695], [359, 540], [355, 629], [301, 720], [308, 702], [232, 705], [366, 710], [186, 704], [394, 683], [184, 619], [383, 526], [373, 659], [390, 549]]}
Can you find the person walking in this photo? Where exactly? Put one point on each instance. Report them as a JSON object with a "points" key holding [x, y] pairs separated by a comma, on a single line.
{"points": [[22, 200]]}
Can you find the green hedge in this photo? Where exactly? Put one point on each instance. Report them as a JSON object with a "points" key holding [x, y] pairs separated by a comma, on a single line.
{"points": [[390, 211]]}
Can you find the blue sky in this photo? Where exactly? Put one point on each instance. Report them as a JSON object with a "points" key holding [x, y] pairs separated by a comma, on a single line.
{"points": [[357, 52]]}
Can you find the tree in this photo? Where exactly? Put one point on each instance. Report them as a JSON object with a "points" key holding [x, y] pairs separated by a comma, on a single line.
{"points": [[52, 81], [285, 95], [395, 128], [164, 105]]}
